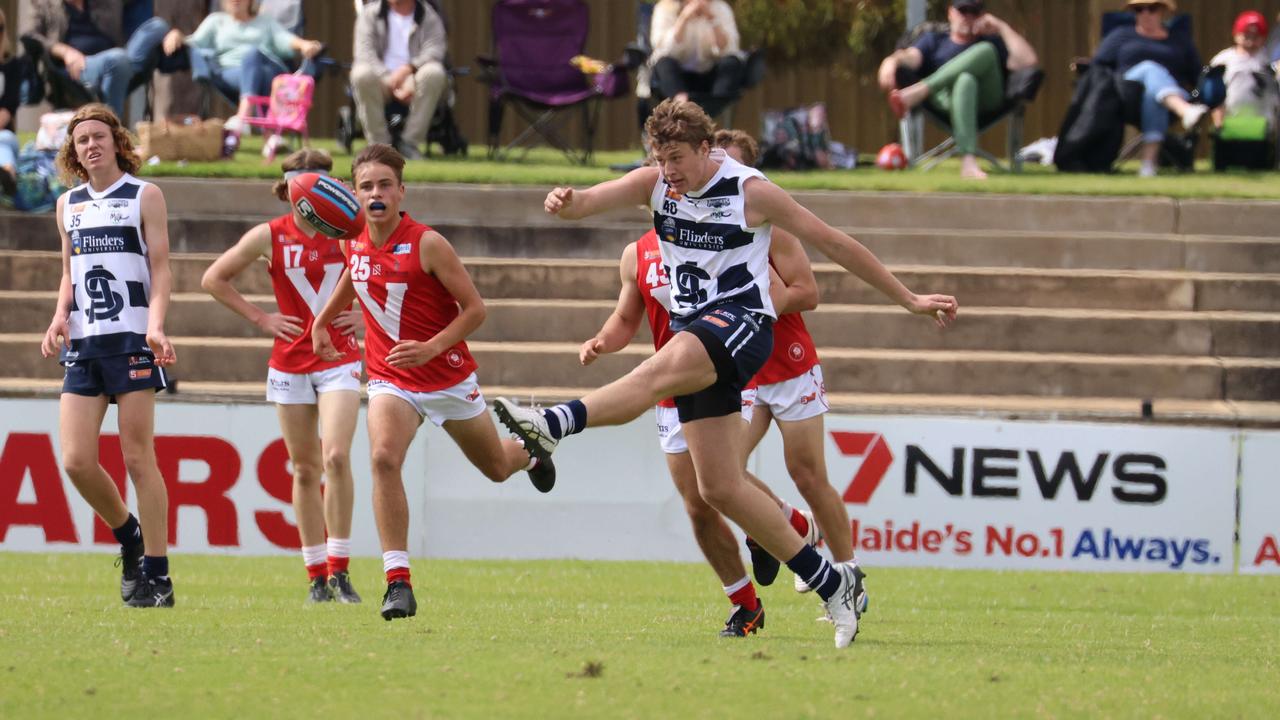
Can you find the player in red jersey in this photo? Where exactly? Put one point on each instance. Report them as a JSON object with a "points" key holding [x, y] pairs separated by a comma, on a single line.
{"points": [[645, 289], [317, 400], [792, 392], [419, 305]]}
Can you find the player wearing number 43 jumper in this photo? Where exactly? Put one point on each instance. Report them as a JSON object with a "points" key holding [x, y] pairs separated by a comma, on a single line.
{"points": [[316, 400], [419, 306], [108, 331], [713, 218]]}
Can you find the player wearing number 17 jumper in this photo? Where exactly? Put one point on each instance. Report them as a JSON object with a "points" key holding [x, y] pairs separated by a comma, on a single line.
{"points": [[419, 307], [316, 400]]}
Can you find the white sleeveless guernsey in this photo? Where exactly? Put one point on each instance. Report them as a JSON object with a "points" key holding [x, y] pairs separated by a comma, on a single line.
{"points": [[110, 271], [708, 251]]}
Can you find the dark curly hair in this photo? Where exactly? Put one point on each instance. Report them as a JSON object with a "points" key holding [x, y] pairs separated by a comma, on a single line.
{"points": [[69, 167]]}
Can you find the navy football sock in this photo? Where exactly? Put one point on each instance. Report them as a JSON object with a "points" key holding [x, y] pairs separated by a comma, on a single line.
{"points": [[156, 568], [816, 571], [566, 418], [130, 533]]}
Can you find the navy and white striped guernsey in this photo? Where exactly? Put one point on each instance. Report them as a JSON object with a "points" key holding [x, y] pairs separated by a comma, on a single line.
{"points": [[110, 270], [707, 249]]}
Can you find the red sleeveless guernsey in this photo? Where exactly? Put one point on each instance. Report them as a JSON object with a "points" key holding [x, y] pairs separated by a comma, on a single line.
{"points": [[304, 272], [650, 276], [401, 302], [793, 351]]}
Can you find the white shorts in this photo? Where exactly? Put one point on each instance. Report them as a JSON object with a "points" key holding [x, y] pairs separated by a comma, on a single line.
{"points": [[301, 388], [671, 432], [799, 398], [460, 402]]}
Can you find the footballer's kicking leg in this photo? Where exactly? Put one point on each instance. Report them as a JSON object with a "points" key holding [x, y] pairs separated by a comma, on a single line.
{"points": [[79, 425], [392, 424], [720, 548], [299, 424], [339, 410], [681, 367], [136, 417]]}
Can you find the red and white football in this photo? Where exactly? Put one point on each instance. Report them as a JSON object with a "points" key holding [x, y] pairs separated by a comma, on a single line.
{"points": [[327, 205], [891, 157]]}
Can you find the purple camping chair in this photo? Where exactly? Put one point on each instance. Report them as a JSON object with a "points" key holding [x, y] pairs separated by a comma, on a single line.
{"points": [[534, 40]]}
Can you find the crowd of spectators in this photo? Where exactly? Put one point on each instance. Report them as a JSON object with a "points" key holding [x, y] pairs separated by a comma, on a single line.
{"points": [[960, 71]]}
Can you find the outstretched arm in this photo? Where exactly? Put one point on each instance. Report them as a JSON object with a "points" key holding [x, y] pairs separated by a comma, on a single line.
{"points": [[629, 190], [767, 202], [617, 331]]}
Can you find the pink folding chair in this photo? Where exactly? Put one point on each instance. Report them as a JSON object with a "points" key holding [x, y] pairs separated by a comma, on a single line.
{"points": [[285, 111]]}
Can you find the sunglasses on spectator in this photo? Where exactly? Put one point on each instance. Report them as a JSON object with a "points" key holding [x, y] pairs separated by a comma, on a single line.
{"points": [[1152, 7]]}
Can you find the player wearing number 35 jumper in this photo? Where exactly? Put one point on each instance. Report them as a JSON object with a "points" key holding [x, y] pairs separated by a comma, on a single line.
{"points": [[713, 217], [108, 332]]}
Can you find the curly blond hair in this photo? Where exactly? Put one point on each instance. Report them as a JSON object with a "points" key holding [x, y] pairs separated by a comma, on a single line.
{"points": [[69, 167]]}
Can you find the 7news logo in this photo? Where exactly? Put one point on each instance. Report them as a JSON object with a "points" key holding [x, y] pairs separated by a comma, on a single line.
{"points": [[1003, 472]]}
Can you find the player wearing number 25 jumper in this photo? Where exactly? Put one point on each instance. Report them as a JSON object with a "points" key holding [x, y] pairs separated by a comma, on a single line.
{"points": [[316, 400], [419, 306], [108, 330]]}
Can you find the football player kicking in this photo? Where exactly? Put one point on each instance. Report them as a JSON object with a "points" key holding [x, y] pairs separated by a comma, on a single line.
{"points": [[713, 217], [419, 307]]}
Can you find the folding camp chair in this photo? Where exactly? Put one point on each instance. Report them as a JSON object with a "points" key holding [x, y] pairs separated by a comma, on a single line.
{"points": [[1021, 87], [1177, 150], [534, 42], [285, 110]]}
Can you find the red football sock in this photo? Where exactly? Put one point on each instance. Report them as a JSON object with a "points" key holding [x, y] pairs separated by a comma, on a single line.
{"points": [[319, 570], [799, 522], [338, 564], [746, 597], [400, 573]]}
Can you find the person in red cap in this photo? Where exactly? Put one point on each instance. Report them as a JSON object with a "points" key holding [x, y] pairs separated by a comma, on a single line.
{"points": [[1246, 64]]}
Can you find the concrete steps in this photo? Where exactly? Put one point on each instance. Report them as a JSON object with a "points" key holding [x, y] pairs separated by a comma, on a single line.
{"points": [[569, 279], [850, 370], [1113, 332], [1071, 307]]}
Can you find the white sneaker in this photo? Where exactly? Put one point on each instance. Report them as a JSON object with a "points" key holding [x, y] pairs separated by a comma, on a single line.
{"points": [[1193, 117], [843, 605], [812, 538], [528, 425]]}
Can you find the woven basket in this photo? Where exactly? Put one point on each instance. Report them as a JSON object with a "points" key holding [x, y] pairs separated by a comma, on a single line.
{"points": [[188, 138]]}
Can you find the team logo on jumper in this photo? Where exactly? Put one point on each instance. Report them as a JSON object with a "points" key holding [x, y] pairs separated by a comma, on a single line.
{"points": [[454, 358], [721, 215], [103, 303], [689, 279], [796, 351], [669, 230], [402, 249], [313, 256], [117, 204], [718, 203]]}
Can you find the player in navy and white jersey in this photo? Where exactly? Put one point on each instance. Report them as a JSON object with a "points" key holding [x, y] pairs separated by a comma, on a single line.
{"points": [[713, 218], [108, 331]]}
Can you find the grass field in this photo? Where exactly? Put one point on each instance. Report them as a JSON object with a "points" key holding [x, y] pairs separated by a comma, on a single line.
{"points": [[595, 639]]}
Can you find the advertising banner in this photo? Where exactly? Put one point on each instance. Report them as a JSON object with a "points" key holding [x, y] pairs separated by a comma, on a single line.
{"points": [[969, 493], [1260, 503]]}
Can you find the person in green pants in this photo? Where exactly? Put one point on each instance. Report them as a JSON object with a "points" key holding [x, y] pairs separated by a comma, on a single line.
{"points": [[964, 72]]}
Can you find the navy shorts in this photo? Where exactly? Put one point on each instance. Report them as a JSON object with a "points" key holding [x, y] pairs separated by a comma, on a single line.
{"points": [[113, 375], [739, 342]]}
